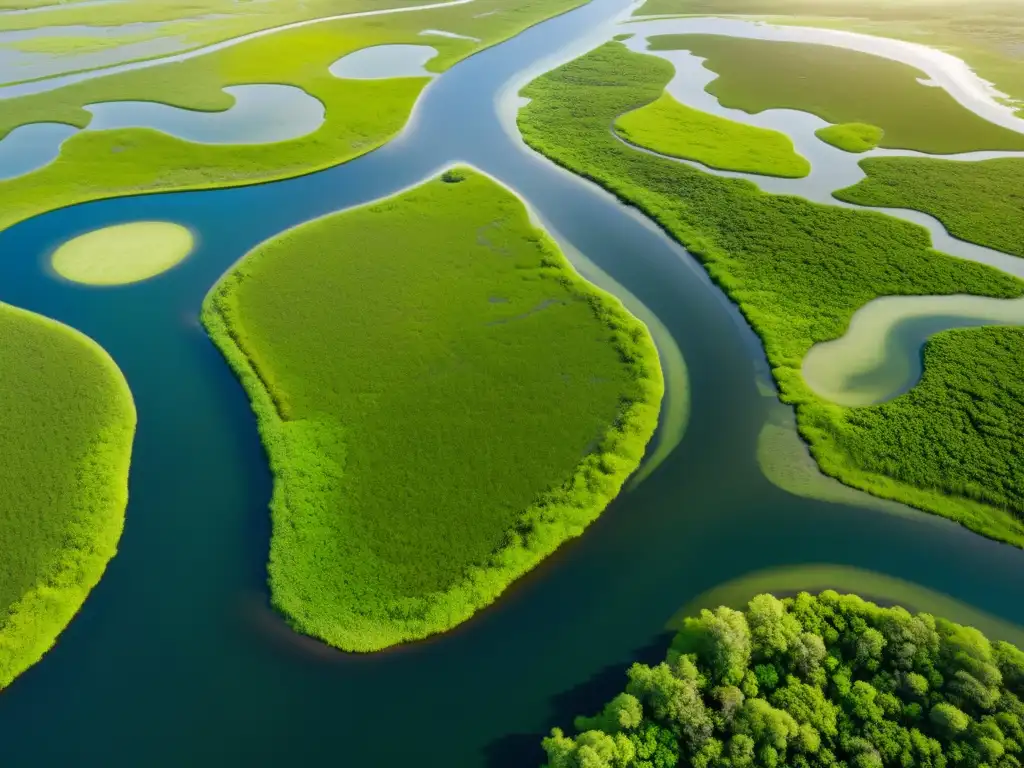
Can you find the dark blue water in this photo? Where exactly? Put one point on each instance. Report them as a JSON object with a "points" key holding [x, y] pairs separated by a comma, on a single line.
{"points": [[176, 658]]}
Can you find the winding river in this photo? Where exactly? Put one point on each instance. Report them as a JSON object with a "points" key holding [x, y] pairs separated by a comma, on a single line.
{"points": [[176, 658]]}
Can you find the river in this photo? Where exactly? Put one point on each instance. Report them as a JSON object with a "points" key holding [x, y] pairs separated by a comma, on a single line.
{"points": [[176, 658]]}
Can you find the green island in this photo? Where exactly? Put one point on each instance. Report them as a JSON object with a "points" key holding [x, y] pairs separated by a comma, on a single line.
{"points": [[125, 253], [443, 400], [984, 33], [852, 137], [797, 270], [69, 421], [670, 128], [841, 86], [811, 681], [980, 201], [103, 164]]}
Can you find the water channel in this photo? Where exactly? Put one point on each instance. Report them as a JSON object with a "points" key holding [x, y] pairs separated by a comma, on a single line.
{"points": [[176, 658]]}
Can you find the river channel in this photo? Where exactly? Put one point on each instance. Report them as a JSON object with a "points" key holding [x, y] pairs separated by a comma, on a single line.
{"points": [[176, 658]]}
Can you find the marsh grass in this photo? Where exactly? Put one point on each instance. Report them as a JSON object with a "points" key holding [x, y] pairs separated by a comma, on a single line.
{"points": [[851, 137], [674, 129], [429, 444], [798, 271], [361, 115], [841, 86], [68, 422], [982, 202]]}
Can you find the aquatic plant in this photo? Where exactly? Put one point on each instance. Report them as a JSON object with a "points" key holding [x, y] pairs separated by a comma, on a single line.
{"points": [[852, 137], [674, 129], [982, 201], [811, 681], [841, 86], [68, 421], [796, 269], [443, 400]]}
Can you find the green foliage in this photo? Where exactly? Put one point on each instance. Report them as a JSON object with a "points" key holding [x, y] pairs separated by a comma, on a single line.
{"points": [[436, 334], [982, 202], [852, 137], [841, 86], [674, 129], [68, 422], [798, 272], [861, 716], [134, 161]]}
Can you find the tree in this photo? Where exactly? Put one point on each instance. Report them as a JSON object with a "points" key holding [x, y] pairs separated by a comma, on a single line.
{"points": [[621, 713], [948, 719], [772, 629]]}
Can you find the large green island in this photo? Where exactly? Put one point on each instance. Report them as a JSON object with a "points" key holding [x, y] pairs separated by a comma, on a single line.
{"points": [[443, 401]]}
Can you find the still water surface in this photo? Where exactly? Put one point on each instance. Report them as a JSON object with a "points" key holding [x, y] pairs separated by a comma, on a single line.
{"points": [[176, 658]]}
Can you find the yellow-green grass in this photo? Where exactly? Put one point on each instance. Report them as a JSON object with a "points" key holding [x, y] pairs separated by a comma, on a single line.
{"points": [[68, 422], [126, 253], [982, 202], [60, 45], [361, 114], [842, 86], [984, 33], [851, 137], [798, 271], [671, 128], [443, 401]]}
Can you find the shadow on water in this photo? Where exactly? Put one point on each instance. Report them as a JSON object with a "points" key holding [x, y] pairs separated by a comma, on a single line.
{"points": [[177, 659]]}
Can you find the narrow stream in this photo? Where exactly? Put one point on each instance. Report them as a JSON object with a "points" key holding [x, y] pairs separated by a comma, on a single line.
{"points": [[176, 658]]}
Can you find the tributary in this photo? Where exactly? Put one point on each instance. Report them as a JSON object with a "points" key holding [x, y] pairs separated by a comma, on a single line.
{"points": [[177, 659]]}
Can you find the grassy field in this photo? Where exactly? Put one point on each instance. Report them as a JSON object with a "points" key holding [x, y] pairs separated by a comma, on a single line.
{"points": [[68, 425], [443, 400], [984, 33], [126, 253], [671, 128], [982, 202], [133, 161], [852, 137], [841, 86], [797, 270]]}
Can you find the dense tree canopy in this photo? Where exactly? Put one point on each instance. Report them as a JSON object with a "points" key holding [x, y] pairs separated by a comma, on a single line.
{"points": [[829, 680]]}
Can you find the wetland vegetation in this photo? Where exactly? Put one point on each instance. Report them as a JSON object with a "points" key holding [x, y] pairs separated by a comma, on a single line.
{"points": [[842, 86], [852, 137], [826, 680], [670, 128], [797, 270], [980, 201], [435, 334], [125, 253], [68, 422]]}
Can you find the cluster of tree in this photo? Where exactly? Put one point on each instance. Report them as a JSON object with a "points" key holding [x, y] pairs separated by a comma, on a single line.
{"points": [[828, 680]]}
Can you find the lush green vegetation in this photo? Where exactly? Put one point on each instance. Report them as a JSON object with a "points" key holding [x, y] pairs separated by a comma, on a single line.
{"points": [[133, 161], [797, 270], [66, 443], [982, 202], [852, 137], [126, 253], [444, 402], [841, 86], [827, 680], [671, 128], [985, 33]]}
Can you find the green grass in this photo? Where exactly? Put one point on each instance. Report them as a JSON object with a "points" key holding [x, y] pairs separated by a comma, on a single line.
{"points": [[66, 443], [982, 202], [984, 33], [125, 253], [842, 86], [798, 270], [443, 400], [671, 128], [133, 161], [851, 137], [67, 44]]}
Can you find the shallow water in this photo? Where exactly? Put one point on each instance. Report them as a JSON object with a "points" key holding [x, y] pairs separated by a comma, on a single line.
{"points": [[384, 61], [177, 659], [30, 147]]}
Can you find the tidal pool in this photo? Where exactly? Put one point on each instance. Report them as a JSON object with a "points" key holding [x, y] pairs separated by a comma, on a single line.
{"points": [[122, 254], [383, 61], [879, 356], [32, 146]]}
